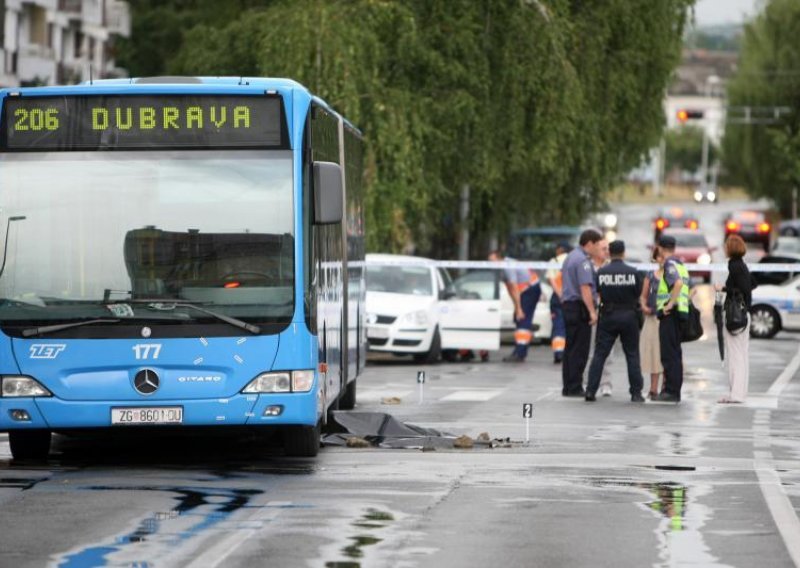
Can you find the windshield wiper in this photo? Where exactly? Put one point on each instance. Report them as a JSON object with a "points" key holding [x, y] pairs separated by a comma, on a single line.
{"points": [[162, 305], [31, 331]]}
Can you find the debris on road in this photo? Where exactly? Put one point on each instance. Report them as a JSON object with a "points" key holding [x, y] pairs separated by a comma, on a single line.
{"points": [[391, 400]]}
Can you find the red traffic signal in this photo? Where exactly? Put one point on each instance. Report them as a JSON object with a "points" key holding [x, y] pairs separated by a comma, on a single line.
{"points": [[687, 114]]}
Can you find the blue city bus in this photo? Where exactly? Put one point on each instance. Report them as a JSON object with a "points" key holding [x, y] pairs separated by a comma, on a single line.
{"points": [[179, 253]]}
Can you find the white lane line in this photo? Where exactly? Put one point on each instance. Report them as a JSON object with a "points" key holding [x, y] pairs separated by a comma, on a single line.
{"points": [[786, 376], [231, 542], [470, 396], [780, 506]]}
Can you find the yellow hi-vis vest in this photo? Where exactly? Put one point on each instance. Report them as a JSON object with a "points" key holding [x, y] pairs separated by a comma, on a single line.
{"points": [[664, 293]]}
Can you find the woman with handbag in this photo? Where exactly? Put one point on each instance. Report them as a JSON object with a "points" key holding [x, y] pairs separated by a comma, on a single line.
{"points": [[649, 347], [738, 298]]}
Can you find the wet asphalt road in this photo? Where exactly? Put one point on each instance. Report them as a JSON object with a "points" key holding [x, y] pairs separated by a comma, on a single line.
{"points": [[603, 484]]}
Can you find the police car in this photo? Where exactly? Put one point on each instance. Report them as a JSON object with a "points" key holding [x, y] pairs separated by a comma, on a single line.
{"points": [[775, 307]]}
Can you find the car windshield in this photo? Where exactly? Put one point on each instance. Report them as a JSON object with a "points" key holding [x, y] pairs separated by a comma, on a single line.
{"points": [[413, 280], [748, 216], [537, 246], [788, 244], [689, 240], [86, 229]]}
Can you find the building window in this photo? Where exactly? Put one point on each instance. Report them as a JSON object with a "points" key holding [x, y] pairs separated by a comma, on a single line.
{"points": [[38, 25]]}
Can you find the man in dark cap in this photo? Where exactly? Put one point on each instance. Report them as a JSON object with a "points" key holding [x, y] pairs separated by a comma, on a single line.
{"points": [[619, 286], [672, 306]]}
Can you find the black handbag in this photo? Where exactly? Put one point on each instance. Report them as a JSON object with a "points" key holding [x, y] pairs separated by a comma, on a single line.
{"points": [[735, 311], [691, 327]]}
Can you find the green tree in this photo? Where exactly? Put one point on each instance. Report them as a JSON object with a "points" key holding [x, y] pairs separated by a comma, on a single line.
{"points": [[765, 158], [535, 106]]}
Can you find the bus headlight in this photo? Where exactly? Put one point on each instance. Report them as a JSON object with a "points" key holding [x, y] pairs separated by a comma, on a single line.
{"points": [[20, 386], [283, 381], [704, 258]]}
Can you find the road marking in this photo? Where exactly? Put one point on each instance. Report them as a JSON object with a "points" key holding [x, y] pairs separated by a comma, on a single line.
{"points": [[786, 376], [231, 542], [471, 396], [780, 506]]}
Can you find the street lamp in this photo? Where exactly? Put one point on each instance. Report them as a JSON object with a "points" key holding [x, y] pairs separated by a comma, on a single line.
{"points": [[5, 248]]}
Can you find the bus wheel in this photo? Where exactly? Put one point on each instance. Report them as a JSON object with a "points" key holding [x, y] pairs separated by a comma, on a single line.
{"points": [[29, 444], [348, 400], [301, 441]]}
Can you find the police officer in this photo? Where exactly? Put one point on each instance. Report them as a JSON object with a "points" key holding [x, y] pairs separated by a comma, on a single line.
{"points": [[672, 306], [619, 286], [578, 303]]}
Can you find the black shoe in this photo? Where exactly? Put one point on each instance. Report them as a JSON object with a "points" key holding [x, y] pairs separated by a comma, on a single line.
{"points": [[637, 397], [557, 359], [667, 397], [576, 393], [590, 397]]}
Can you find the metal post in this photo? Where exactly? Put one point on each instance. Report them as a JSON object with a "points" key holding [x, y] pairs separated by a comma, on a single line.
{"points": [[463, 245], [704, 167], [794, 203]]}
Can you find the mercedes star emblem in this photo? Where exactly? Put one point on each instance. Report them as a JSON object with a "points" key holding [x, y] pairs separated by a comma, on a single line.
{"points": [[146, 381]]}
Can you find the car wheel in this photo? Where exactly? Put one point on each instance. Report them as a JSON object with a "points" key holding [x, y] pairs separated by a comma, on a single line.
{"points": [[764, 322], [29, 444], [790, 232], [434, 353]]}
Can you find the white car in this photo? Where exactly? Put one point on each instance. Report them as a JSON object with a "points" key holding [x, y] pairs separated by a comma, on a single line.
{"points": [[775, 307], [486, 285], [412, 308]]}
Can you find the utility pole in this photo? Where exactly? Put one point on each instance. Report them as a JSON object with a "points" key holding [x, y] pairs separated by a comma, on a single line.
{"points": [[463, 244]]}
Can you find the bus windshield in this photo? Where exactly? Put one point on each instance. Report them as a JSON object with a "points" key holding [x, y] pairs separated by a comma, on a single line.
{"points": [[84, 231]]}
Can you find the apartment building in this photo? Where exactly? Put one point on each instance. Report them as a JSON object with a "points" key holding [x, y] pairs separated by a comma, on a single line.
{"points": [[48, 42]]}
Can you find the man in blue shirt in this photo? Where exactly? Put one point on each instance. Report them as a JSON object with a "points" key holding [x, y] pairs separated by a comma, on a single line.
{"points": [[578, 301]]}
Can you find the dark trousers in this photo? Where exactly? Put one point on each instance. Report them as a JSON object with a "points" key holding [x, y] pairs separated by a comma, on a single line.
{"points": [[669, 336], [625, 325], [576, 352], [528, 300]]}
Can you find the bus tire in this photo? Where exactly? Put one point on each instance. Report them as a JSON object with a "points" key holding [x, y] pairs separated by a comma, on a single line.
{"points": [[348, 399], [301, 441], [30, 444]]}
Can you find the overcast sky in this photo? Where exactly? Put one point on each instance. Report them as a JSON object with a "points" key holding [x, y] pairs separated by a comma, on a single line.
{"points": [[711, 12]]}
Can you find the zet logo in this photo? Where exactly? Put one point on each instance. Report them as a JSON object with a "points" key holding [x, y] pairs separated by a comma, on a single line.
{"points": [[46, 350]]}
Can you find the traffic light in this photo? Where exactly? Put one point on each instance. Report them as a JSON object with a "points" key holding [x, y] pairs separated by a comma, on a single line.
{"points": [[688, 114]]}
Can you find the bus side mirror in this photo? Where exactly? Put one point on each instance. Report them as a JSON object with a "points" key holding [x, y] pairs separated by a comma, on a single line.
{"points": [[328, 193]]}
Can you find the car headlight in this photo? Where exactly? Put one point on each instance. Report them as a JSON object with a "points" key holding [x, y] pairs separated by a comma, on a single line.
{"points": [[711, 196], [610, 220], [704, 258], [417, 318], [20, 386], [698, 196], [283, 381]]}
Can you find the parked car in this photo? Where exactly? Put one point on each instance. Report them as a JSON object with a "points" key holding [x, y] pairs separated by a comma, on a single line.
{"points": [[674, 218], [789, 228], [412, 309], [486, 285], [775, 307], [691, 246], [753, 226], [539, 243]]}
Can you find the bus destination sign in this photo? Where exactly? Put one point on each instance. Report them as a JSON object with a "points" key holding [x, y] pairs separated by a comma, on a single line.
{"points": [[135, 122]]}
